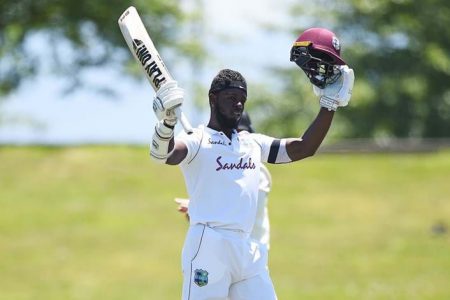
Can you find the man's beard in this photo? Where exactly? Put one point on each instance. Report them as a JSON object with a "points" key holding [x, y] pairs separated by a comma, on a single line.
{"points": [[225, 122]]}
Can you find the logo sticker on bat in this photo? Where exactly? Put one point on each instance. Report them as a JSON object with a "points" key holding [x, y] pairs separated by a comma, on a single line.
{"points": [[149, 65]]}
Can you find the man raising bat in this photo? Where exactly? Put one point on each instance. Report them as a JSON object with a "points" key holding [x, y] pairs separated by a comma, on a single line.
{"points": [[146, 55], [221, 169]]}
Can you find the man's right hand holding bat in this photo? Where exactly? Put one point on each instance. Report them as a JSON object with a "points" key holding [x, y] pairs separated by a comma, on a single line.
{"points": [[168, 97]]}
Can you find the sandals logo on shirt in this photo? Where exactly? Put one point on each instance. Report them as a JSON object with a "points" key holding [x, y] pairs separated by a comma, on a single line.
{"points": [[241, 165], [200, 277]]}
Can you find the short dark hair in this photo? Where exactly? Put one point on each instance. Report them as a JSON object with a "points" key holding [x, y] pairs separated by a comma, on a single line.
{"points": [[226, 79]]}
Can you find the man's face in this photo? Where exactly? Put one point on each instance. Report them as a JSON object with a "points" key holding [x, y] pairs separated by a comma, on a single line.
{"points": [[229, 105]]}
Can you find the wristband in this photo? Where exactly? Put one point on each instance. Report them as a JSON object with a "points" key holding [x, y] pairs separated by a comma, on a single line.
{"points": [[328, 103]]}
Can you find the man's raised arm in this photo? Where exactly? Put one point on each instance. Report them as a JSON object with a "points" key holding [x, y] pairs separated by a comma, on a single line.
{"points": [[331, 97]]}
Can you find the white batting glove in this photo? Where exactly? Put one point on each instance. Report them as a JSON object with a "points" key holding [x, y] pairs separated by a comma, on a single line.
{"points": [[339, 93], [167, 98]]}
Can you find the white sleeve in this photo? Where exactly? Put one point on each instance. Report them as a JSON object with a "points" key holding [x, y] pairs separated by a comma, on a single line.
{"points": [[192, 142], [265, 142], [273, 150]]}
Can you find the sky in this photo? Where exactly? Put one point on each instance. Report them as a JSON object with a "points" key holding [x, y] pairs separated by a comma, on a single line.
{"points": [[39, 111]]}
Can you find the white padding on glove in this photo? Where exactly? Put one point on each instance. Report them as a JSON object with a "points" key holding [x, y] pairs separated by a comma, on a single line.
{"points": [[339, 93], [167, 98], [159, 149]]}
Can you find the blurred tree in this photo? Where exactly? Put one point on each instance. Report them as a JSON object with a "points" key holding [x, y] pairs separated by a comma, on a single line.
{"points": [[283, 112], [400, 53], [86, 30]]}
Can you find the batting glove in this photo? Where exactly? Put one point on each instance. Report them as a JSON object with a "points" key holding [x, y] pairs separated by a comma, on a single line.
{"points": [[338, 93], [167, 98]]}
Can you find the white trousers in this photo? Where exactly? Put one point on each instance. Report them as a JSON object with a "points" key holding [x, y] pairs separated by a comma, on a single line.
{"points": [[222, 264]]}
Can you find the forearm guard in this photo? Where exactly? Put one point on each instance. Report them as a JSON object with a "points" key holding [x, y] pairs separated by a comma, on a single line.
{"points": [[159, 150]]}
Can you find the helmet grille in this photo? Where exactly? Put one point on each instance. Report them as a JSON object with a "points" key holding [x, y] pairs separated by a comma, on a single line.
{"points": [[318, 66]]}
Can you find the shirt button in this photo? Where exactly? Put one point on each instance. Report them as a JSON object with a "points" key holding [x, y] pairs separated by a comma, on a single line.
{"points": [[229, 143]]}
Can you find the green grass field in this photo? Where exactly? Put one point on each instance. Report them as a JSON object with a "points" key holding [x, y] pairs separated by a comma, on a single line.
{"points": [[100, 223]]}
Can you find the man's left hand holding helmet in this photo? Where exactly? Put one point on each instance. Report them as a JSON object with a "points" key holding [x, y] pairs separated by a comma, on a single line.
{"points": [[337, 94], [317, 52]]}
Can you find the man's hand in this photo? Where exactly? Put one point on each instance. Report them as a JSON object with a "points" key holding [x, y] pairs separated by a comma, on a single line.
{"points": [[183, 205], [339, 93], [167, 98]]}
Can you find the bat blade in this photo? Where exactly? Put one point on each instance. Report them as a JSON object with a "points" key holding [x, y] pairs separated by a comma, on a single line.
{"points": [[146, 54]]}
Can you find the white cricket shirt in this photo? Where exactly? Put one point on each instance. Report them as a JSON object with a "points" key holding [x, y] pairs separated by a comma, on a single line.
{"points": [[261, 228], [222, 176]]}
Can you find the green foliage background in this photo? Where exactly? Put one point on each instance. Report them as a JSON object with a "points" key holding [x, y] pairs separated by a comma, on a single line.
{"points": [[400, 52], [88, 29], [100, 223]]}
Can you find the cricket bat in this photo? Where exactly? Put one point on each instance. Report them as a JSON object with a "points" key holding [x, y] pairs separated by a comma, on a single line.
{"points": [[145, 53]]}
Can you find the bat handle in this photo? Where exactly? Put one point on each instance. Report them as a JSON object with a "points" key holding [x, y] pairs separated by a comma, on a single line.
{"points": [[184, 121]]}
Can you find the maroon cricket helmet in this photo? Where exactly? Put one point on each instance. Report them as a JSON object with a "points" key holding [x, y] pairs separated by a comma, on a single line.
{"points": [[322, 40], [317, 51]]}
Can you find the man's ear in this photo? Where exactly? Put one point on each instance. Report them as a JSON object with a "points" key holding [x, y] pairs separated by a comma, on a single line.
{"points": [[212, 99]]}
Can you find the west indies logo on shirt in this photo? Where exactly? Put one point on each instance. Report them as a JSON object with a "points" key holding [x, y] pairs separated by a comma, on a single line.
{"points": [[240, 165]]}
